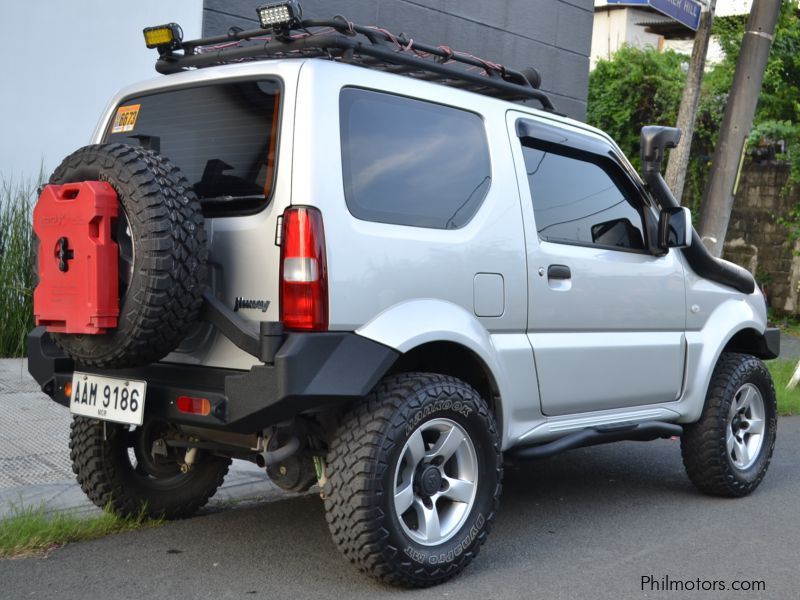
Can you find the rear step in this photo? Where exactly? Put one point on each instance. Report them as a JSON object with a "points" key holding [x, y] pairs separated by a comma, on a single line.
{"points": [[591, 436]]}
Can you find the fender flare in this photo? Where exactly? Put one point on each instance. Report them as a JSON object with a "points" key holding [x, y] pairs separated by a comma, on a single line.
{"points": [[413, 323], [729, 319]]}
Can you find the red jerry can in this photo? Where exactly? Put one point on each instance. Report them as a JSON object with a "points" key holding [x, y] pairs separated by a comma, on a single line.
{"points": [[78, 290]]}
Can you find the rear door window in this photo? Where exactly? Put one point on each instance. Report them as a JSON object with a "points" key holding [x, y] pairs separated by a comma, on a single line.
{"points": [[410, 162], [223, 137]]}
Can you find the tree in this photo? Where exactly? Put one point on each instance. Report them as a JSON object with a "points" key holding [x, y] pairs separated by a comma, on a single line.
{"points": [[778, 100], [777, 118], [729, 154], [687, 114], [643, 87], [632, 89]]}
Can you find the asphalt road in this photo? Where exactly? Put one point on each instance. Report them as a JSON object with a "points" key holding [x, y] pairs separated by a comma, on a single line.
{"points": [[587, 524]]}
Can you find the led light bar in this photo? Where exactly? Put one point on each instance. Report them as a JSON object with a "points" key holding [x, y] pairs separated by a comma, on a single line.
{"points": [[280, 16], [166, 37]]}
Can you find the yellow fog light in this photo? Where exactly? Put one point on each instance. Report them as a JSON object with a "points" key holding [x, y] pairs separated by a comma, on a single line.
{"points": [[167, 36]]}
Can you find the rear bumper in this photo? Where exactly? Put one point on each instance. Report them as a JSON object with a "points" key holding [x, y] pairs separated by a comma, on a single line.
{"points": [[311, 372]]}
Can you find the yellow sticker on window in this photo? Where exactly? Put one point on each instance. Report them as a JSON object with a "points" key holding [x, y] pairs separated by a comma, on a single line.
{"points": [[125, 119]]}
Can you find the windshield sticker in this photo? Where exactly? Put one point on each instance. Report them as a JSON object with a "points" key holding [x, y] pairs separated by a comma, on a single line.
{"points": [[125, 118]]}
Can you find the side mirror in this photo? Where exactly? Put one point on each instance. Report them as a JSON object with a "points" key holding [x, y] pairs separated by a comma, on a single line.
{"points": [[675, 228], [619, 232]]}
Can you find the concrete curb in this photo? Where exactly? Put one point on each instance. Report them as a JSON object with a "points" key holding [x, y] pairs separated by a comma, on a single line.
{"points": [[244, 484]]}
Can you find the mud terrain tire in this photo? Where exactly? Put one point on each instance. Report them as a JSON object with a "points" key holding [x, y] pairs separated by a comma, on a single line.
{"points": [[162, 241]]}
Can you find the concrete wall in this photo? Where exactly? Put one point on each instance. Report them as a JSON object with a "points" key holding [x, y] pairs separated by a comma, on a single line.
{"points": [[552, 35], [758, 242], [615, 26], [62, 61]]}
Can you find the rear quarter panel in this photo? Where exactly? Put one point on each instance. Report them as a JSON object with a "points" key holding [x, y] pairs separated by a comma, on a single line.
{"points": [[404, 286], [373, 266]]}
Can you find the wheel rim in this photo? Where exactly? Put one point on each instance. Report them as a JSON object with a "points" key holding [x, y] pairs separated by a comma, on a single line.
{"points": [[123, 236], [745, 428], [137, 449], [435, 482]]}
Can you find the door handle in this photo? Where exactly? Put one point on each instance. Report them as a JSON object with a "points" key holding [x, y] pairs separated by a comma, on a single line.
{"points": [[558, 272]]}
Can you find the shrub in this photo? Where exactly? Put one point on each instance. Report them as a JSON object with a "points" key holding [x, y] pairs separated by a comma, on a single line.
{"points": [[16, 274]]}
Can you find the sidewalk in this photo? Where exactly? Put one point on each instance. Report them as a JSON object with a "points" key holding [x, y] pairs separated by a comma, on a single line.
{"points": [[35, 468], [790, 347]]}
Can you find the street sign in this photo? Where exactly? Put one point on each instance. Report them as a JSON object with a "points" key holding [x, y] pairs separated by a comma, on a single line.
{"points": [[683, 11]]}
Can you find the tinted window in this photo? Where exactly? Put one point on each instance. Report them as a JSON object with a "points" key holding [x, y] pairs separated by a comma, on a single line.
{"points": [[410, 162], [575, 199], [221, 136]]}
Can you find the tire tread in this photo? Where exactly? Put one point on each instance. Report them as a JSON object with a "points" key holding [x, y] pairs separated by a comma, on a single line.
{"points": [[172, 241], [93, 462], [703, 452], [352, 492]]}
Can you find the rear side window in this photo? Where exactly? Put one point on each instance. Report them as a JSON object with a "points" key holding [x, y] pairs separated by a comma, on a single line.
{"points": [[222, 136], [409, 162]]}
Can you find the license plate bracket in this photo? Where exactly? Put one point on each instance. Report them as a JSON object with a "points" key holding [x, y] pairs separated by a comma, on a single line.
{"points": [[113, 399]]}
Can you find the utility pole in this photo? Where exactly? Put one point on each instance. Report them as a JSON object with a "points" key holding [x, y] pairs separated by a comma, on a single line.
{"points": [[715, 213], [679, 156]]}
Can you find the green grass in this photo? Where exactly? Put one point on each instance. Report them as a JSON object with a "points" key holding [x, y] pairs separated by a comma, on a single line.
{"points": [[16, 275], [791, 326], [788, 323], [31, 531], [788, 400]]}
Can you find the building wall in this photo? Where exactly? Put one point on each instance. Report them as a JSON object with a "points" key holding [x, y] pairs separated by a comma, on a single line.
{"points": [[615, 26], [552, 35], [62, 62], [758, 242]]}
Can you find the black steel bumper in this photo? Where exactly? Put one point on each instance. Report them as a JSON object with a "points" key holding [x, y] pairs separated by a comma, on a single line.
{"points": [[310, 372], [772, 343]]}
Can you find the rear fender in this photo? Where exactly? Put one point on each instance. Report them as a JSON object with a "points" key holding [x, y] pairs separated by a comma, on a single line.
{"points": [[411, 324]]}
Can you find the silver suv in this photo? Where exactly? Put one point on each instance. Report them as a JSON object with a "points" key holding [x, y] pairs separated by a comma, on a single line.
{"points": [[361, 262]]}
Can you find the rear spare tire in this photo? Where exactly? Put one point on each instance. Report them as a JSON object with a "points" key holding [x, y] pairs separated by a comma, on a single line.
{"points": [[162, 255]]}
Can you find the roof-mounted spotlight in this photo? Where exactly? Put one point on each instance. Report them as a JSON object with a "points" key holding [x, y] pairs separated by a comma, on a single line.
{"points": [[164, 37], [280, 16]]}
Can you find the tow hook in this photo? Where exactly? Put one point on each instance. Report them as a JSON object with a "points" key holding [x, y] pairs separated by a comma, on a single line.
{"points": [[322, 477], [159, 448], [188, 461]]}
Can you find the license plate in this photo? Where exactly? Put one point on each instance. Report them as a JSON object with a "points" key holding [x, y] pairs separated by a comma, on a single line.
{"points": [[108, 398]]}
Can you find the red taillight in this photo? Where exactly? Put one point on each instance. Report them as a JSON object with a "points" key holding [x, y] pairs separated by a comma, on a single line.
{"points": [[304, 278], [193, 406]]}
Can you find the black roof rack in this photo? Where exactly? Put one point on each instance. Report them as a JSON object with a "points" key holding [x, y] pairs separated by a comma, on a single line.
{"points": [[339, 39]]}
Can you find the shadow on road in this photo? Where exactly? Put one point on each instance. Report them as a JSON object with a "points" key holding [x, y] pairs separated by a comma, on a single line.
{"points": [[588, 523]]}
